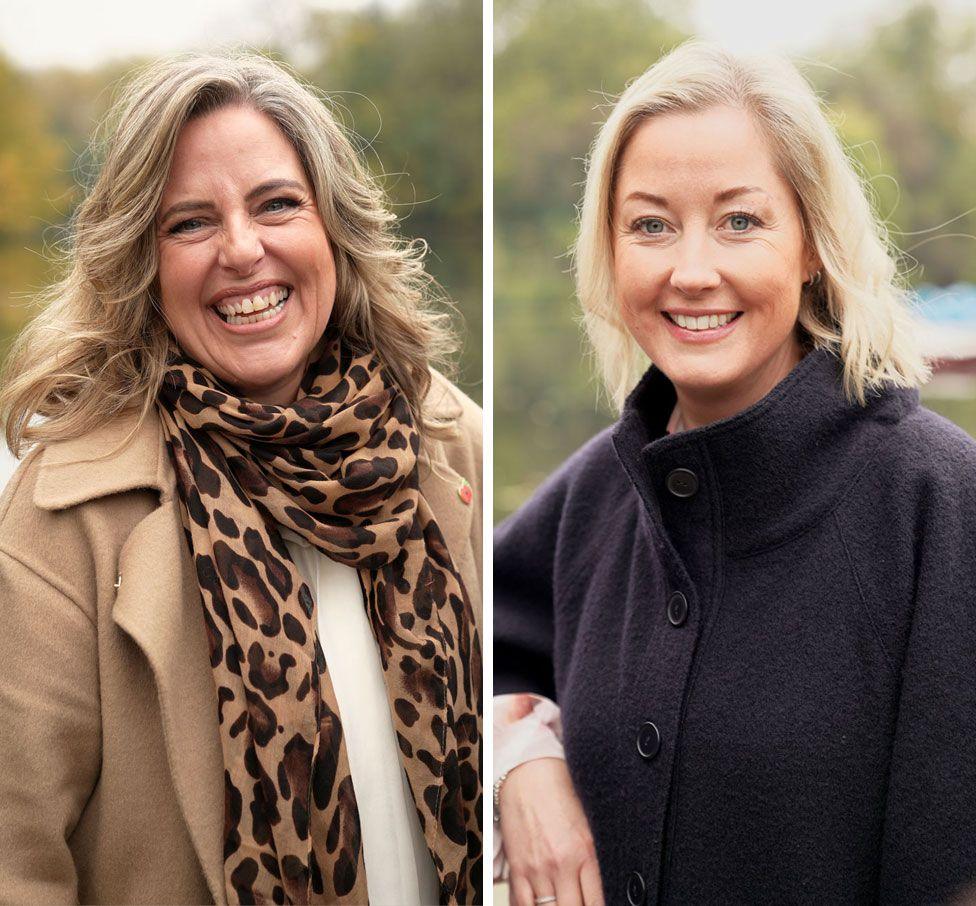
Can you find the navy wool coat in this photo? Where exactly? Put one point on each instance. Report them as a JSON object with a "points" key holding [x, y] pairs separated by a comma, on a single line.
{"points": [[762, 637]]}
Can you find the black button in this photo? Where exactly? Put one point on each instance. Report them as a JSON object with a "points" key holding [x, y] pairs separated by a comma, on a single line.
{"points": [[682, 482], [677, 609], [648, 740], [636, 889]]}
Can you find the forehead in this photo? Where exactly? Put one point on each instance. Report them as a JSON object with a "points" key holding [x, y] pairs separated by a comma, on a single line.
{"points": [[233, 146], [702, 152]]}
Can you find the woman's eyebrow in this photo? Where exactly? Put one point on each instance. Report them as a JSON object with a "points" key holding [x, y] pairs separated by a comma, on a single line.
{"points": [[271, 185], [724, 195], [736, 191]]}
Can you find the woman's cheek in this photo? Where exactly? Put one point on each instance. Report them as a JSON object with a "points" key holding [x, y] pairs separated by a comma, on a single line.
{"points": [[636, 283]]}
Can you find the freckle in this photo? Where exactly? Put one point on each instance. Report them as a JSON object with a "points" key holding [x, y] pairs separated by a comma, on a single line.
{"points": [[281, 729]]}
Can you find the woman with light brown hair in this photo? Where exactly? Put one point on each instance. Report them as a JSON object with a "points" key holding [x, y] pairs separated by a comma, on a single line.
{"points": [[239, 568], [734, 633]]}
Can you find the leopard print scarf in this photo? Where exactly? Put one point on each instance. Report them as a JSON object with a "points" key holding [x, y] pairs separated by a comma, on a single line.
{"points": [[340, 468]]}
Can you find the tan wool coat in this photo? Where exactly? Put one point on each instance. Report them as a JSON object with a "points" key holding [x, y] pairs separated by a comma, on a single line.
{"points": [[111, 773]]}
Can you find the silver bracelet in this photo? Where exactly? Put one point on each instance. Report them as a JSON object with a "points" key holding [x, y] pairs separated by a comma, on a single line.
{"points": [[495, 795]]}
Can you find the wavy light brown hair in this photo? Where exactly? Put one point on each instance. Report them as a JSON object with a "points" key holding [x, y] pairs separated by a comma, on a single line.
{"points": [[99, 344], [860, 305]]}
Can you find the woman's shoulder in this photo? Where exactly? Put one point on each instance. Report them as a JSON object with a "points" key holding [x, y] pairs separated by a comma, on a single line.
{"points": [[929, 445], [914, 489], [445, 400], [69, 497], [944, 438], [462, 441], [124, 453]]}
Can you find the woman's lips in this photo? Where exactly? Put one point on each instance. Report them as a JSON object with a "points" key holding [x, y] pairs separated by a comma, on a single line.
{"points": [[701, 336]]}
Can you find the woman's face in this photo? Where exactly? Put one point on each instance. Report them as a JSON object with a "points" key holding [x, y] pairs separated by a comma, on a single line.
{"points": [[246, 272], [705, 228]]}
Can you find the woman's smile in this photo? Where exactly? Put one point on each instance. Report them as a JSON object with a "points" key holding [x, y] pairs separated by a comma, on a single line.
{"points": [[262, 310], [693, 327]]}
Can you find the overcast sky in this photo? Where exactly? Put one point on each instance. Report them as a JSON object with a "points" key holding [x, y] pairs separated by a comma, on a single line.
{"points": [[38, 33]]}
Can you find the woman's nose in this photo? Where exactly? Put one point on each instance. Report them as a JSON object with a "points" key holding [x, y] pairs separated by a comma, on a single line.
{"points": [[693, 272], [240, 246]]}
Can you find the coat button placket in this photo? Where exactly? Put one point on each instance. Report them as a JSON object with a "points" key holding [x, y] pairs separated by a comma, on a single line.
{"points": [[682, 513]]}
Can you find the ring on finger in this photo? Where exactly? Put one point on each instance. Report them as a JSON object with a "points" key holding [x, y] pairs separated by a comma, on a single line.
{"points": [[540, 900]]}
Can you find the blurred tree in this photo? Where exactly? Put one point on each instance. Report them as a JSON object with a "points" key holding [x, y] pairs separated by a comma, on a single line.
{"points": [[410, 83], [907, 103], [73, 103], [33, 178], [30, 159]]}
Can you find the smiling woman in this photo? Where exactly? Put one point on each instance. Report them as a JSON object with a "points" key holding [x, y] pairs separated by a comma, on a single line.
{"points": [[723, 241], [730, 631], [245, 542], [246, 274]]}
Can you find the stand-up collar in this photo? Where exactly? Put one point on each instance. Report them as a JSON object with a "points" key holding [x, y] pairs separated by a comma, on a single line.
{"points": [[767, 473]]}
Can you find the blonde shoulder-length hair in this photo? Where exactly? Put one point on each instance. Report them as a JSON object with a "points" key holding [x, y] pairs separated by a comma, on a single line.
{"points": [[859, 307], [99, 344]]}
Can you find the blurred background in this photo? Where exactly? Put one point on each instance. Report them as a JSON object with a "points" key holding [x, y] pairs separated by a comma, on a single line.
{"points": [[405, 76], [899, 77]]}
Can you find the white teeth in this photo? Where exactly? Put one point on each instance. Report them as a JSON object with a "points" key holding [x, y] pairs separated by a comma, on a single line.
{"points": [[703, 322], [253, 305], [251, 311]]}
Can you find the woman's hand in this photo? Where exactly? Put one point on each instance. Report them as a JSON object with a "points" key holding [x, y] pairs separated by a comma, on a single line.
{"points": [[547, 839]]}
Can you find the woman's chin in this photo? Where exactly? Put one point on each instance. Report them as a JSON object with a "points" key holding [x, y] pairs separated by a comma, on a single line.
{"points": [[702, 372], [703, 386]]}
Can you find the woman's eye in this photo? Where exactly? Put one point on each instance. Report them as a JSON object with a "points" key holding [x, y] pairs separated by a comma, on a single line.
{"points": [[277, 205], [741, 222], [186, 226], [650, 225]]}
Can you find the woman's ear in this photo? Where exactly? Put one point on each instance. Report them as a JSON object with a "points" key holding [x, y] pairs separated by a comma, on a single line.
{"points": [[811, 263]]}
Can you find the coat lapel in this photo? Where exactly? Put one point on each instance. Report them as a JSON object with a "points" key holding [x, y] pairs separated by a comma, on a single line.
{"points": [[443, 489], [158, 606], [160, 609]]}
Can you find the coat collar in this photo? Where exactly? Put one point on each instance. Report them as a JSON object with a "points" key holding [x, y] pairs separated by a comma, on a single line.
{"points": [[122, 455], [767, 473]]}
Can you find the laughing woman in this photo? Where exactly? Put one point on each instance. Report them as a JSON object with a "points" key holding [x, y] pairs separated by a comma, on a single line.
{"points": [[239, 570], [748, 610]]}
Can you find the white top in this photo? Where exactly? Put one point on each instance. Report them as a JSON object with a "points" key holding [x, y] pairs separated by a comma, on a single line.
{"points": [[399, 868]]}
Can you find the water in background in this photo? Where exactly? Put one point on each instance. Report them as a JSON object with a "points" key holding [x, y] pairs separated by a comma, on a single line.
{"points": [[955, 304]]}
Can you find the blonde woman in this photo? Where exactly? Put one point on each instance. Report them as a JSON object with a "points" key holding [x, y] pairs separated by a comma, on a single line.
{"points": [[746, 612], [239, 569]]}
